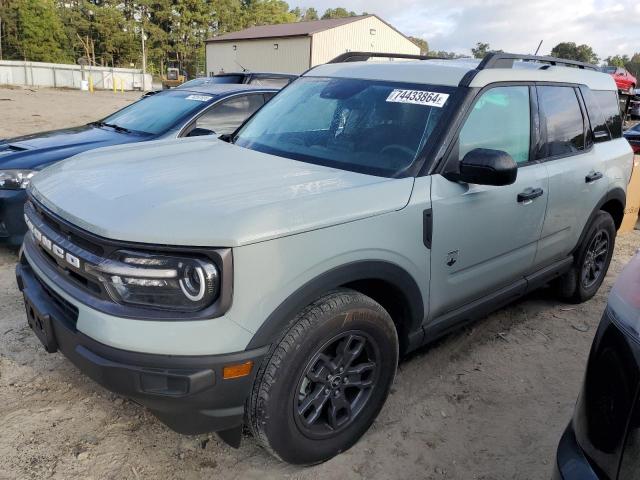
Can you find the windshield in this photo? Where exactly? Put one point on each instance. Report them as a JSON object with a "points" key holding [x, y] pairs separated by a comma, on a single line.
{"points": [[158, 113], [367, 126], [609, 69]]}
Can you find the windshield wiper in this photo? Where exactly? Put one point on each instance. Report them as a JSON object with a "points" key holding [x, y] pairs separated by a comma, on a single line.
{"points": [[117, 128]]}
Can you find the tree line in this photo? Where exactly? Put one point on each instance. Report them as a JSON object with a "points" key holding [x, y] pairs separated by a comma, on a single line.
{"points": [[109, 32]]}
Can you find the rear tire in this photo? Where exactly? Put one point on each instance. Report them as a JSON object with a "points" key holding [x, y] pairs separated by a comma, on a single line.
{"points": [[322, 385], [592, 259]]}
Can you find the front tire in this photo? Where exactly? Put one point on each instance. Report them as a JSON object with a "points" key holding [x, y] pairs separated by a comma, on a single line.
{"points": [[322, 385], [592, 260]]}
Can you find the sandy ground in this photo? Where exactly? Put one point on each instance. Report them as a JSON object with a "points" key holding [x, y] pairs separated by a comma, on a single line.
{"points": [[488, 402]]}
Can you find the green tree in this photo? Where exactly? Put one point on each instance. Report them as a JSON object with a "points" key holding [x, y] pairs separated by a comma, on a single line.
{"points": [[480, 50], [306, 14], [571, 51], [310, 14], [445, 54], [338, 13], [617, 60], [32, 30], [268, 12], [422, 43]]}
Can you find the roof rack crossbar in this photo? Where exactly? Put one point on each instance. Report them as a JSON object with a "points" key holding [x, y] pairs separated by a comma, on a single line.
{"points": [[364, 56], [506, 60]]}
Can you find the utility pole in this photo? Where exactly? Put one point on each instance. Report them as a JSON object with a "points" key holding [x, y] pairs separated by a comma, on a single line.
{"points": [[144, 62], [0, 38]]}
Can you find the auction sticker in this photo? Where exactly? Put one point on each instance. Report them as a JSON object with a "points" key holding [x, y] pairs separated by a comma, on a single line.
{"points": [[418, 97], [199, 98]]}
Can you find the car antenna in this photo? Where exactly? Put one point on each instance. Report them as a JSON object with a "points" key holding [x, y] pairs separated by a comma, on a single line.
{"points": [[238, 63], [538, 49]]}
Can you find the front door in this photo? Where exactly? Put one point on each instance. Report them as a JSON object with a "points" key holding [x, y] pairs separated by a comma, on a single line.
{"points": [[485, 237]]}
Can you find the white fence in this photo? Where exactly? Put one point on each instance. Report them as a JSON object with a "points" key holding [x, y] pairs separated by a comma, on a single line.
{"points": [[70, 76]]}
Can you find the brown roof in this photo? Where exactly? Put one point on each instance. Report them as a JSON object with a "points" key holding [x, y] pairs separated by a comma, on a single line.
{"points": [[287, 29]]}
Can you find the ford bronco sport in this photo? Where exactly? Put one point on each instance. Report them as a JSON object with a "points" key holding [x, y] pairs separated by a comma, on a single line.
{"points": [[273, 278]]}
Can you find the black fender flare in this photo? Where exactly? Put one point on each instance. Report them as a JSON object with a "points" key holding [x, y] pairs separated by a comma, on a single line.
{"points": [[617, 194], [283, 315]]}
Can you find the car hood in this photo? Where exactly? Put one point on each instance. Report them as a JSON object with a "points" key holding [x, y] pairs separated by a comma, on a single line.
{"points": [[40, 149], [205, 192]]}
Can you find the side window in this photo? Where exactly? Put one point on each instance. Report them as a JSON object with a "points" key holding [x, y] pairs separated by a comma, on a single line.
{"points": [[610, 106], [561, 119], [225, 117], [268, 96], [597, 120], [271, 82], [500, 120]]}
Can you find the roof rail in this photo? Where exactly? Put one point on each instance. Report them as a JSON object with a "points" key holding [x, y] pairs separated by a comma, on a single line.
{"points": [[364, 56], [505, 60]]}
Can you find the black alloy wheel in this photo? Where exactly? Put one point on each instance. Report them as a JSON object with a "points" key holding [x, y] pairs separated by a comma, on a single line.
{"points": [[336, 384], [594, 265]]}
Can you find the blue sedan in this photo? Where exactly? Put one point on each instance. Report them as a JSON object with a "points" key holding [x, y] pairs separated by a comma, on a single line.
{"points": [[205, 110]]}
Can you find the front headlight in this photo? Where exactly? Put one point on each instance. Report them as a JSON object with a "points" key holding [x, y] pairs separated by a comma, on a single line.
{"points": [[160, 281], [15, 179]]}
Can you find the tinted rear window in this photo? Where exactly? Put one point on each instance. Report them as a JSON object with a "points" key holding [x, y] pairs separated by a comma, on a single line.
{"points": [[609, 105], [598, 123], [562, 120]]}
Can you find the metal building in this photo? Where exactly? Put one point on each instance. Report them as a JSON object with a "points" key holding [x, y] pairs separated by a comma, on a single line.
{"points": [[295, 47]]}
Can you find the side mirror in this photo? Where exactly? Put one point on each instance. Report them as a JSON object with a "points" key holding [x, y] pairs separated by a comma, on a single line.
{"points": [[484, 166]]}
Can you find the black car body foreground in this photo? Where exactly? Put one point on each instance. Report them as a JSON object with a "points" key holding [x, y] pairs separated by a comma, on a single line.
{"points": [[196, 111], [603, 439]]}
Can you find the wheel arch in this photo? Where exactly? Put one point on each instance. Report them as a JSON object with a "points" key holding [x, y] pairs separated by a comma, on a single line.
{"points": [[387, 283], [613, 203]]}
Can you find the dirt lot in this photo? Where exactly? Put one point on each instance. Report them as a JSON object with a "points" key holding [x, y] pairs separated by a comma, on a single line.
{"points": [[489, 402]]}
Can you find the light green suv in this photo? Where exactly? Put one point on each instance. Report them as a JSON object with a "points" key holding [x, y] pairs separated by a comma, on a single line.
{"points": [[273, 278]]}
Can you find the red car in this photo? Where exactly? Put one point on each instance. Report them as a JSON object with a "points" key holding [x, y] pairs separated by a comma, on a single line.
{"points": [[624, 80]]}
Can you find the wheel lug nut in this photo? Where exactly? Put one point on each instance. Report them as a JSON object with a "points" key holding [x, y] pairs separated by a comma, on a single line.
{"points": [[327, 391], [336, 393], [341, 369], [345, 380]]}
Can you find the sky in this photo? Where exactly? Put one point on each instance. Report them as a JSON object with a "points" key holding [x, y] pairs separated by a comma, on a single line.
{"points": [[516, 26]]}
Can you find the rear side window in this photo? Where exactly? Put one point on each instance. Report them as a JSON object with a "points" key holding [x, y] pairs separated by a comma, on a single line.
{"points": [[228, 115], [610, 107], [561, 121], [598, 122]]}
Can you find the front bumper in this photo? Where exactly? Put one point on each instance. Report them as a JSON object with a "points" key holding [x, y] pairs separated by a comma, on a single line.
{"points": [[571, 462], [187, 393], [12, 225]]}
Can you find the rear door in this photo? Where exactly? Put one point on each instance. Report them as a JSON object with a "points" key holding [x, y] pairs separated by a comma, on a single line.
{"points": [[485, 237], [576, 169]]}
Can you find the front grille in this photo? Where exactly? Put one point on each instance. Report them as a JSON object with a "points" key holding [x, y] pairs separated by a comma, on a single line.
{"points": [[63, 235], [63, 230]]}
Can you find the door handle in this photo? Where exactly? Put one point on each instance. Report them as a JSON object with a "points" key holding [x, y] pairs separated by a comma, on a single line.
{"points": [[593, 176], [529, 194]]}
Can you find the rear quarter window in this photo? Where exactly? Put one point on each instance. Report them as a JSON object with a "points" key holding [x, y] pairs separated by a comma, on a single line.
{"points": [[609, 105]]}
